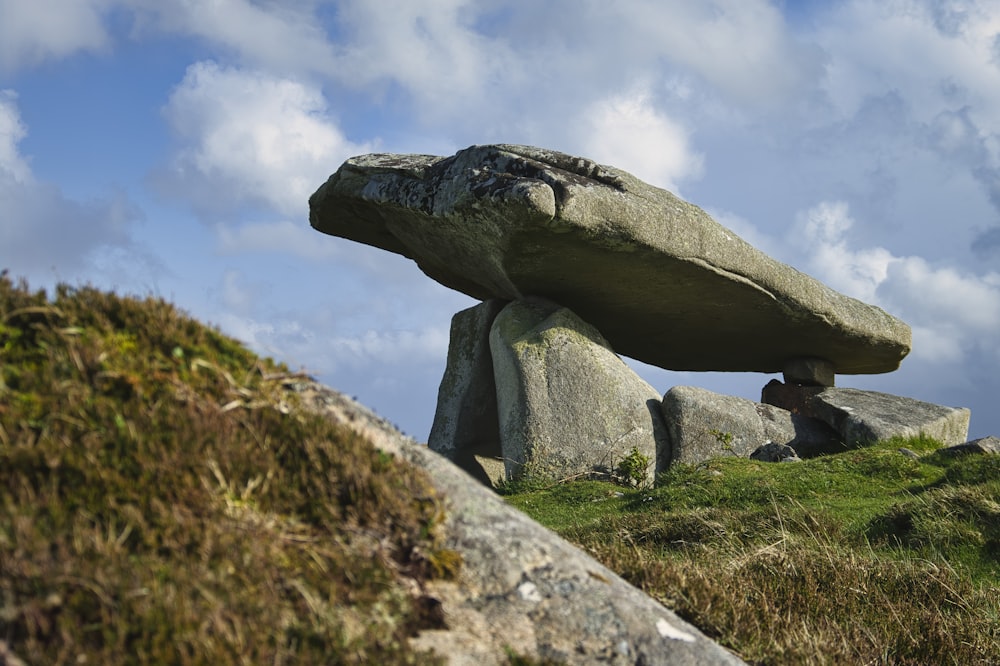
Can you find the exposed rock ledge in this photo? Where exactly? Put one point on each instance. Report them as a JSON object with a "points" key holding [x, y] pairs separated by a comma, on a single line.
{"points": [[522, 587]]}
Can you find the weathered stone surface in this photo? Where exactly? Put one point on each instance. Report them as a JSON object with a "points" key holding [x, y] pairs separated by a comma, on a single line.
{"points": [[705, 425], [521, 587], [988, 445], [772, 452], [465, 428], [862, 417], [567, 403], [809, 372], [661, 280]]}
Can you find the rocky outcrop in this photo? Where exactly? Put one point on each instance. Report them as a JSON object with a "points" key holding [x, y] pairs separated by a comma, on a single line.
{"points": [[661, 280], [568, 405], [704, 425], [862, 417], [521, 588]]}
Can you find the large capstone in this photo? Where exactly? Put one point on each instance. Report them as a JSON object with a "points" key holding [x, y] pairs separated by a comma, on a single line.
{"points": [[660, 279]]}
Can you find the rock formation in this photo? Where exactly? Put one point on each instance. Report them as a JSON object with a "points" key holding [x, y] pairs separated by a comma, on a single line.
{"points": [[466, 429], [576, 261], [567, 403], [704, 425], [862, 417], [661, 280], [522, 588]]}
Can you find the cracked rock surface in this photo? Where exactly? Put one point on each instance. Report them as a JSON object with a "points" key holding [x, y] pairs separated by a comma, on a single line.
{"points": [[661, 280], [521, 586]]}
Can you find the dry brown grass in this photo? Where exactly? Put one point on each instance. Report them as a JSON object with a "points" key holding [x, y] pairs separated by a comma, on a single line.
{"points": [[164, 501]]}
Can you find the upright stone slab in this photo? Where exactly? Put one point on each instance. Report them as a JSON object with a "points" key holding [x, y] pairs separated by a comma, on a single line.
{"points": [[567, 403], [661, 280], [864, 417], [465, 428], [705, 425]]}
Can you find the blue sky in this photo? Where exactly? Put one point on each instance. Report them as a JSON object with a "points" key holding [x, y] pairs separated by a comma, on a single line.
{"points": [[169, 147]]}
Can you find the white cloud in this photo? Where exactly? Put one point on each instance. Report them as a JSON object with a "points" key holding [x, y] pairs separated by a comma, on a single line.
{"points": [[628, 132], [953, 314], [251, 138], [822, 231], [12, 131], [431, 47], [32, 32], [296, 238], [278, 36], [45, 234], [933, 54], [741, 47]]}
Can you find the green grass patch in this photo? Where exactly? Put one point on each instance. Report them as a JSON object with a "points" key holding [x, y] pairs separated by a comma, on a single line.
{"points": [[866, 556], [164, 499]]}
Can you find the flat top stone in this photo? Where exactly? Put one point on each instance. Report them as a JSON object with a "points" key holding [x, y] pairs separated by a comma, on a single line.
{"points": [[660, 279]]}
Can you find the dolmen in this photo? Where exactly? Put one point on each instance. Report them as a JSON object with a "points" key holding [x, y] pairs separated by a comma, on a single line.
{"points": [[576, 263]]}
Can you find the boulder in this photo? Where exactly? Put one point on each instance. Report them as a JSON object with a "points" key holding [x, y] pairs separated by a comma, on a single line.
{"points": [[987, 445], [661, 280], [523, 590], [567, 404], [772, 452], [703, 425], [465, 428], [862, 417]]}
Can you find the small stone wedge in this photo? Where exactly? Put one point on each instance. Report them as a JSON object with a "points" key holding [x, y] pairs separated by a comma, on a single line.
{"points": [[660, 279]]}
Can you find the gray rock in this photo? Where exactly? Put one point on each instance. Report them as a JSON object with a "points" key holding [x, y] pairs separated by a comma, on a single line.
{"points": [[661, 280], [568, 405], [705, 425], [987, 445], [522, 587], [465, 428], [864, 417], [772, 452], [809, 372]]}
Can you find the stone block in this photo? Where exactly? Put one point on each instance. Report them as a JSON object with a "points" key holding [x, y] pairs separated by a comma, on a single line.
{"points": [[567, 404]]}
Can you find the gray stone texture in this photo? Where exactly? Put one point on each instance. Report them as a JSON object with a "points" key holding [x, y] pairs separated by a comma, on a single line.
{"points": [[772, 452], [863, 417], [661, 280], [987, 445], [465, 428], [567, 404], [703, 425], [521, 587], [809, 372]]}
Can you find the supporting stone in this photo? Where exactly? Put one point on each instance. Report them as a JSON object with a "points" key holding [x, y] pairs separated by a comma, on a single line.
{"points": [[705, 425], [465, 428], [865, 417], [809, 371], [568, 405]]}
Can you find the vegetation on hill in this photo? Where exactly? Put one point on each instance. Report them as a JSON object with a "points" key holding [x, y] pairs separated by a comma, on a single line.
{"points": [[163, 500], [865, 557]]}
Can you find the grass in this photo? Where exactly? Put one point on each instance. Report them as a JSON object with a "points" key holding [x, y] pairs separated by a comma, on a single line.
{"points": [[864, 557], [164, 500]]}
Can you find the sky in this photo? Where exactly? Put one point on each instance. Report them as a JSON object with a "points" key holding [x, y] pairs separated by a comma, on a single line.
{"points": [[168, 148]]}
